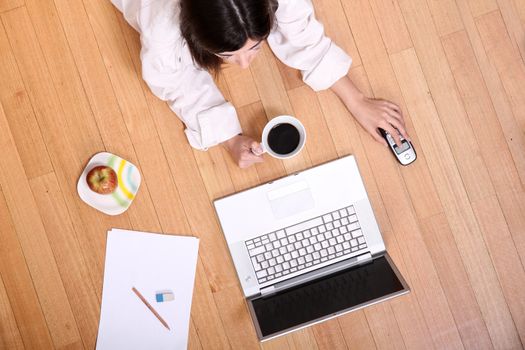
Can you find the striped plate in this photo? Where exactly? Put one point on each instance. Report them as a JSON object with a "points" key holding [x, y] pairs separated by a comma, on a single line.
{"points": [[128, 184]]}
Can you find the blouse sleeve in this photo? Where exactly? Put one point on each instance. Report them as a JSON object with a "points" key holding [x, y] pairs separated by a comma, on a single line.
{"points": [[192, 94], [169, 71], [299, 42]]}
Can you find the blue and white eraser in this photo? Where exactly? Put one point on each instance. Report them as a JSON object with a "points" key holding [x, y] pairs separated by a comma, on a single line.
{"points": [[164, 295]]}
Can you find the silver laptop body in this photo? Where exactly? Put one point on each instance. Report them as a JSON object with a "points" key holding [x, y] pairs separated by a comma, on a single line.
{"points": [[294, 237]]}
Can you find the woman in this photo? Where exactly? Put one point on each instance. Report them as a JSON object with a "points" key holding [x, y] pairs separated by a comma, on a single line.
{"points": [[183, 41]]}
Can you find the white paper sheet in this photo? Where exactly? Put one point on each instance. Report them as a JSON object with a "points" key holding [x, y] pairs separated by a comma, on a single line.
{"points": [[150, 263]]}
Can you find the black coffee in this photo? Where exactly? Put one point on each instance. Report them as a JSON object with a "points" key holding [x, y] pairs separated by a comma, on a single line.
{"points": [[283, 138]]}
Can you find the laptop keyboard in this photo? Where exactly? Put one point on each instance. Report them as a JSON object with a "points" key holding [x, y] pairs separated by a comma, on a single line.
{"points": [[306, 244]]}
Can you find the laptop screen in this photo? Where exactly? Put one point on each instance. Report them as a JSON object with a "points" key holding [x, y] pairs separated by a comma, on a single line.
{"points": [[325, 296]]}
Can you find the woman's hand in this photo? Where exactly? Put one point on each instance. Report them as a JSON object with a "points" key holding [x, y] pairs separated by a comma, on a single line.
{"points": [[372, 113], [240, 148], [376, 113]]}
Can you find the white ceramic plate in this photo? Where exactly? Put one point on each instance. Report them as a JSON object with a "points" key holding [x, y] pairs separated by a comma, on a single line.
{"points": [[128, 184]]}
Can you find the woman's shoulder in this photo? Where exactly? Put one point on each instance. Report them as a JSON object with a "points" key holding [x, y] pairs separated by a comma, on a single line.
{"points": [[159, 20]]}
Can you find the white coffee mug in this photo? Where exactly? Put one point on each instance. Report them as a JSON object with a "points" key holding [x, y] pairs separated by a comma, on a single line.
{"points": [[283, 119]]}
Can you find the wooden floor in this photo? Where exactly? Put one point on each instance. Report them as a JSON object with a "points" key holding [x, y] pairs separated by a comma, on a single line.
{"points": [[454, 221]]}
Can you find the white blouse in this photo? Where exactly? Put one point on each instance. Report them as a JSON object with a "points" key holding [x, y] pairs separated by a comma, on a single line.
{"points": [[298, 40]]}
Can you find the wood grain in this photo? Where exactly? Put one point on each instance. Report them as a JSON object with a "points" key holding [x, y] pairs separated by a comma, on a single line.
{"points": [[453, 221], [20, 115], [9, 334], [28, 250], [392, 25], [455, 202], [31, 328], [7, 5]]}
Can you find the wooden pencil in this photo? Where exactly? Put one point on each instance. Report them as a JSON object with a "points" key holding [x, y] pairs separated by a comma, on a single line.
{"points": [[150, 307]]}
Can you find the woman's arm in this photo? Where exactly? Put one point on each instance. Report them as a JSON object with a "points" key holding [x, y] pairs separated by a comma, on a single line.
{"points": [[299, 41]]}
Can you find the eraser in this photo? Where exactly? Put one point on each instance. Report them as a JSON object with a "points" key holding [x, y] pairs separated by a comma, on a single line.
{"points": [[164, 295]]}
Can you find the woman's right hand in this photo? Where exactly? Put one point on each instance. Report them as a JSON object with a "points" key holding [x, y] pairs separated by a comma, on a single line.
{"points": [[243, 150]]}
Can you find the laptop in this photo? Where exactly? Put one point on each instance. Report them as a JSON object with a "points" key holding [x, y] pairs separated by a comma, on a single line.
{"points": [[307, 248]]}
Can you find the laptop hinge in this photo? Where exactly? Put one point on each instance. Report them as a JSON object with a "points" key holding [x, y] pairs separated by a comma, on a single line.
{"points": [[341, 265], [267, 291]]}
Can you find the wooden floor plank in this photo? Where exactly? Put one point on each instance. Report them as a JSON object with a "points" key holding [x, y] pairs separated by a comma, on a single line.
{"points": [[391, 25], [480, 7], [357, 332], [473, 170], [69, 256], [471, 325], [9, 334], [480, 111], [279, 343], [510, 270], [329, 335], [304, 339], [514, 24], [445, 15], [7, 5], [62, 70], [513, 204], [520, 5], [384, 327], [20, 115], [95, 79], [509, 124], [504, 55], [489, 134], [243, 90], [194, 342], [455, 202], [36, 289], [24, 301]]}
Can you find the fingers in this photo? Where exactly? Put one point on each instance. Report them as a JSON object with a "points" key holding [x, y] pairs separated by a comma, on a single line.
{"points": [[400, 128], [394, 116], [256, 148], [376, 135], [248, 158], [388, 127], [393, 106]]}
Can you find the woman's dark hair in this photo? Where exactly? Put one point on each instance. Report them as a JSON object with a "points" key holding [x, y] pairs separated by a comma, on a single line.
{"points": [[215, 26]]}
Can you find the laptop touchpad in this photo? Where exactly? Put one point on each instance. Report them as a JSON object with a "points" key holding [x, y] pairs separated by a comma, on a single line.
{"points": [[291, 199]]}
